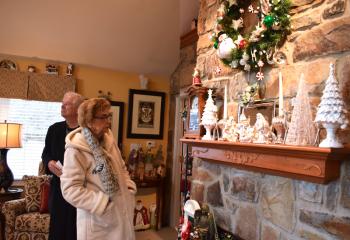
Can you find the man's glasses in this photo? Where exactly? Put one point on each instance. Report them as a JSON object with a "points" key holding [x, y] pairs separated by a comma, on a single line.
{"points": [[104, 117]]}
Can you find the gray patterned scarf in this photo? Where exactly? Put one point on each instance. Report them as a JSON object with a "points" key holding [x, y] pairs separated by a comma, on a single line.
{"points": [[103, 166]]}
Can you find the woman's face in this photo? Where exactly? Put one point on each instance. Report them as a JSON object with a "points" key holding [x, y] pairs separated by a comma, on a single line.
{"points": [[100, 123]]}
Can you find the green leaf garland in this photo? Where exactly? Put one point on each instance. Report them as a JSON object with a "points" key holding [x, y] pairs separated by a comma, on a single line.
{"points": [[250, 51]]}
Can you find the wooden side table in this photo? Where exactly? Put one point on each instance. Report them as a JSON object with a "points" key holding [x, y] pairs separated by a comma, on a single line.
{"points": [[12, 194]]}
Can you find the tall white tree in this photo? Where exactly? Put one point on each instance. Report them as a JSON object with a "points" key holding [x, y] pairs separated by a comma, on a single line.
{"points": [[209, 117], [331, 111], [302, 130]]}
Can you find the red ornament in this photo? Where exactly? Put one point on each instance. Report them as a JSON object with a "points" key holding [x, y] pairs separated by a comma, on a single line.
{"points": [[242, 43]]}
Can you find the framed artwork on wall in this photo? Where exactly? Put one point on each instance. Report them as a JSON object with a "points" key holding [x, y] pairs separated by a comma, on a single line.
{"points": [[117, 109], [145, 114]]}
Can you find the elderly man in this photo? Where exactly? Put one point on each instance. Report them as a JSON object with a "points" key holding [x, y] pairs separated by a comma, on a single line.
{"points": [[63, 215]]}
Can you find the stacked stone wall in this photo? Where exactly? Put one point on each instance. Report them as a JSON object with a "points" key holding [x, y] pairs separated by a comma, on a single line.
{"points": [[257, 206]]}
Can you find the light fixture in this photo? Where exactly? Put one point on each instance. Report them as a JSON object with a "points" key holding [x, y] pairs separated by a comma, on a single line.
{"points": [[10, 137]]}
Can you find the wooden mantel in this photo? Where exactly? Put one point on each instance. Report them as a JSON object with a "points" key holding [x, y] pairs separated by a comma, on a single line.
{"points": [[313, 164]]}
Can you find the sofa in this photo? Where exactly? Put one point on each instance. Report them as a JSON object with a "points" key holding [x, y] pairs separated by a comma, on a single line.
{"points": [[28, 218]]}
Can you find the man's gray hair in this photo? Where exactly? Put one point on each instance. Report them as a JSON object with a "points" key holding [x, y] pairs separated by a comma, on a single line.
{"points": [[76, 97]]}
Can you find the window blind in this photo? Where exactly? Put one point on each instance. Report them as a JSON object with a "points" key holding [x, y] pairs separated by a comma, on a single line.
{"points": [[35, 117]]}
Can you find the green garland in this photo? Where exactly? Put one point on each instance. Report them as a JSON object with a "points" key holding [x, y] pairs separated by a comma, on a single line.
{"points": [[250, 51]]}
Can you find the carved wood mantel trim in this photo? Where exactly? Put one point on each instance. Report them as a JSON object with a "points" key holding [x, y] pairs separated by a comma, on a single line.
{"points": [[313, 164]]}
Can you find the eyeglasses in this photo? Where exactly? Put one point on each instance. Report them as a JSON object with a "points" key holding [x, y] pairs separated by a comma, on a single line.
{"points": [[104, 117]]}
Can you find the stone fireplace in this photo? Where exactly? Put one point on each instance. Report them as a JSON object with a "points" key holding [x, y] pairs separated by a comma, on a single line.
{"points": [[255, 205]]}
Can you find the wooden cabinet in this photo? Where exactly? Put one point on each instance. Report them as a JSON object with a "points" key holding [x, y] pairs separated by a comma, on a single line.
{"points": [[12, 194]]}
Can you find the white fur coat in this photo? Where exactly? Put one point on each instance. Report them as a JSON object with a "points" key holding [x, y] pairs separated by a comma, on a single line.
{"points": [[97, 216]]}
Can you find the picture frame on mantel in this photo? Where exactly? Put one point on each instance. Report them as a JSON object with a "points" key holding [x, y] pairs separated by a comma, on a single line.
{"points": [[146, 114], [117, 109]]}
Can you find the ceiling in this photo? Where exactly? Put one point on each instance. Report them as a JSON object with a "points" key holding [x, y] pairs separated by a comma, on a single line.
{"points": [[131, 36]]}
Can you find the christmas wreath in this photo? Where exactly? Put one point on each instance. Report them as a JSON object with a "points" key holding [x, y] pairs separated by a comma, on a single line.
{"points": [[250, 51]]}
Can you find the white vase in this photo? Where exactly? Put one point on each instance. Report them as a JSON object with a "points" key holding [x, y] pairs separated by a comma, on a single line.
{"points": [[331, 140], [208, 128]]}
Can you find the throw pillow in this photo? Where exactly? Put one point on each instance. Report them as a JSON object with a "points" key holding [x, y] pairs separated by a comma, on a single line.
{"points": [[44, 197], [32, 191]]}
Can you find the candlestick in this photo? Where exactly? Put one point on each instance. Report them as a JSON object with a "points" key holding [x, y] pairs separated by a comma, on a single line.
{"points": [[225, 102], [280, 95]]}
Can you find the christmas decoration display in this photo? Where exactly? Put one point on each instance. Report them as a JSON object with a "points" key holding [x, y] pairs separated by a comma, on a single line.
{"points": [[196, 80], [152, 213], [244, 130], [301, 128], [249, 93], [141, 219], [331, 111], [209, 118], [197, 223], [250, 51], [262, 129]]}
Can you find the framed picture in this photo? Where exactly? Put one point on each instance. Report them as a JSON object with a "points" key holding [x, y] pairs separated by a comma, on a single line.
{"points": [[117, 121], [146, 114]]}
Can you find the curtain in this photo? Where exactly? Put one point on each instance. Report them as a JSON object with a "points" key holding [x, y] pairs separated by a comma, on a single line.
{"points": [[34, 86], [13, 84]]}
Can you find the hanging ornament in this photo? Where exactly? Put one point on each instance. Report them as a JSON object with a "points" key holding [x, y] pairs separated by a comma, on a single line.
{"points": [[251, 9], [268, 20], [225, 49], [260, 76], [234, 64], [245, 56], [244, 60], [247, 67], [216, 44], [242, 44], [260, 63]]}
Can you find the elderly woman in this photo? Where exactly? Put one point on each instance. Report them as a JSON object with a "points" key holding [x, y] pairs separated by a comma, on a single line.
{"points": [[95, 179]]}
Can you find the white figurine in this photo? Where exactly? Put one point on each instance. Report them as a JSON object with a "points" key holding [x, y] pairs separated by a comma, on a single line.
{"points": [[69, 71], [262, 129]]}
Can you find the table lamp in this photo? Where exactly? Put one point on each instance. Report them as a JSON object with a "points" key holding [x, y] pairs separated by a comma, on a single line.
{"points": [[10, 137]]}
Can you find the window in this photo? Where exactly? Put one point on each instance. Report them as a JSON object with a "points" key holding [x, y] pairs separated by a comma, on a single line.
{"points": [[36, 117]]}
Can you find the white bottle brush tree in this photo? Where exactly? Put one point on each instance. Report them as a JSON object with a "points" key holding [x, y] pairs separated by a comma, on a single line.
{"points": [[209, 117], [331, 111], [302, 130]]}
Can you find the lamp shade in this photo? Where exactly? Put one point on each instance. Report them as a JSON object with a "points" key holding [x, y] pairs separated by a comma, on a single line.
{"points": [[10, 135]]}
